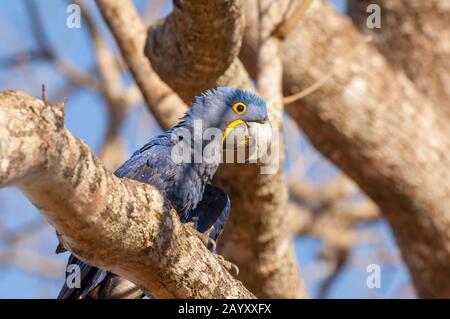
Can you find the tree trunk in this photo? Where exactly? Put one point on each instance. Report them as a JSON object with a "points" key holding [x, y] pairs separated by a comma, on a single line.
{"points": [[372, 122]]}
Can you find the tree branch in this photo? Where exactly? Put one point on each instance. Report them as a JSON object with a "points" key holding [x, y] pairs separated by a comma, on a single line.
{"points": [[116, 224], [290, 21], [129, 32], [195, 48]]}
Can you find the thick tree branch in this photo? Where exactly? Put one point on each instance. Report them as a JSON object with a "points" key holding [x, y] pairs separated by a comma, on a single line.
{"points": [[195, 48], [116, 224], [372, 123], [414, 37]]}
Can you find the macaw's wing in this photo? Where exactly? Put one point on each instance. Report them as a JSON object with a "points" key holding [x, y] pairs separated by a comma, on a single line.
{"points": [[153, 164], [211, 213]]}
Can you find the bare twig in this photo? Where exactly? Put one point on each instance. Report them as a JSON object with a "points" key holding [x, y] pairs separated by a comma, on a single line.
{"points": [[44, 94], [287, 24], [309, 90], [320, 82]]}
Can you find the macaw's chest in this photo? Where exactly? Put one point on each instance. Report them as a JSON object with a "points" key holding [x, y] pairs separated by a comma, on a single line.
{"points": [[185, 189]]}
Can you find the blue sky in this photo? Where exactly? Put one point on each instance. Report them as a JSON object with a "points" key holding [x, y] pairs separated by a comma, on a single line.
{"points": [[86, 119]]}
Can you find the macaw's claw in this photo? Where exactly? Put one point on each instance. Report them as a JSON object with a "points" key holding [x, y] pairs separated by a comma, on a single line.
{"points": [[211, 245], [204, 237], [229, 266]]}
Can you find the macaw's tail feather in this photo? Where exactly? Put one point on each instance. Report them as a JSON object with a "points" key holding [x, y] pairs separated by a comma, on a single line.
{"points": [[87, 282], [81, 279]]}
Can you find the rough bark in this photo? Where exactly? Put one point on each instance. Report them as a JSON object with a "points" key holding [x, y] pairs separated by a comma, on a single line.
{"points": [[129, 31], [254, 237], [371, 121], [116, 224], [414, 37], [195, 47]]}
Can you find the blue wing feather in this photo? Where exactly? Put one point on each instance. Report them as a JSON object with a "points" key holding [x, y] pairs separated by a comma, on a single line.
{"points": [[211, 213]]}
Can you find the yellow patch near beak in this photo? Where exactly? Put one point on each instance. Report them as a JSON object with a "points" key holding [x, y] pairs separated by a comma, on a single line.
{"points": [[230, 127]]}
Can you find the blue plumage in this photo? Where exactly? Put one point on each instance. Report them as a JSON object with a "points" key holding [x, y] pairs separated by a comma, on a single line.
{"points": [[185, 185]]}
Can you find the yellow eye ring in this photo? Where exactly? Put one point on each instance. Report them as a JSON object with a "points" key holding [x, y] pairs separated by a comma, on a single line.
{"points": [[239, 108]]}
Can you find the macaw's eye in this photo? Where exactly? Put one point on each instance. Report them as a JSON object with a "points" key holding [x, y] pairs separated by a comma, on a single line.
{"points": [[239, 108]]}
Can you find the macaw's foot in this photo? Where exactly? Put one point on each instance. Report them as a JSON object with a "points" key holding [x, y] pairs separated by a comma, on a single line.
{"points": [[204, 237], [211, 245], [229, 266]]}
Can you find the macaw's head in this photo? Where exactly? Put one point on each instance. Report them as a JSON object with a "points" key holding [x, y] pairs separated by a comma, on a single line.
{"points": [[241, 116]]}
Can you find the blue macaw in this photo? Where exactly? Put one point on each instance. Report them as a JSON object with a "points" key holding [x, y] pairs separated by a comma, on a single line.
{"points": [[185, 184]]}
